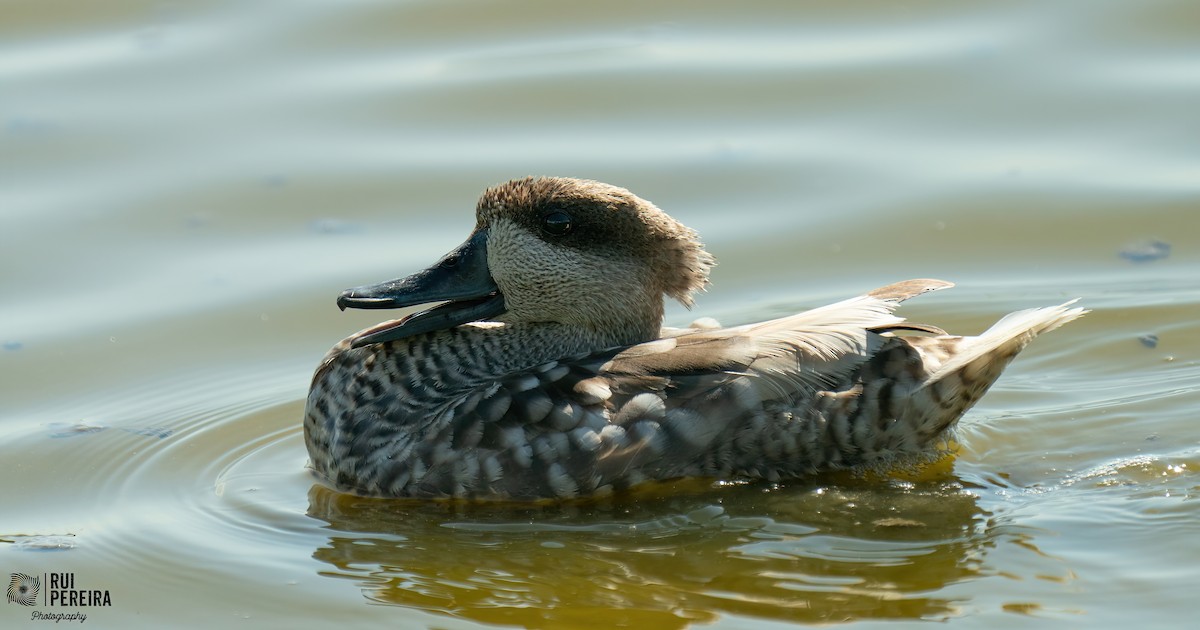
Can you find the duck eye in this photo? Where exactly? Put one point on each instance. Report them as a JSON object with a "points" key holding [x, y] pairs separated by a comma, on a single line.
{"points": [[557, 223]]}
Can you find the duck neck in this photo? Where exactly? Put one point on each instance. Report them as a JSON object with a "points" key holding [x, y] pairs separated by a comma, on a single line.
{"points": [[618, 321]]}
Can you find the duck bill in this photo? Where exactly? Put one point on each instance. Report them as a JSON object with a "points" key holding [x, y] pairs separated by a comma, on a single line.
{"points": [[461, 280]]}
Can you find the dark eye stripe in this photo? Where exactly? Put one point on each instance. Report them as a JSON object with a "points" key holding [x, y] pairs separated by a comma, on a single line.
{"points": [[557, 223]]}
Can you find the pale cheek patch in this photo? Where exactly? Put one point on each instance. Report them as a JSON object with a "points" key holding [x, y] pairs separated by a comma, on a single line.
{"points": [[529, 271], [542, 280]]}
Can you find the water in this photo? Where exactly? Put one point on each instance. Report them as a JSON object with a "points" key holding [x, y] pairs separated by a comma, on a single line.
{"points": [[185, 187]]}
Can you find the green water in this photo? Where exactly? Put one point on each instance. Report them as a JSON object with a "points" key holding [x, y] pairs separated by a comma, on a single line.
{"points": [[186, 187]]}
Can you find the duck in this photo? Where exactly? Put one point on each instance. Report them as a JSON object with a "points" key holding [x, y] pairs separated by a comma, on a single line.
{"points": [[544, 372]]}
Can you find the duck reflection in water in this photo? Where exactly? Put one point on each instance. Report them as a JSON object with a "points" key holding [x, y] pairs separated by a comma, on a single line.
{"points": [[836, 552]]}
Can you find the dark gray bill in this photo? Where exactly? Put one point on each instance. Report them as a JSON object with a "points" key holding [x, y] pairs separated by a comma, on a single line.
{"points": [[461, 278]]}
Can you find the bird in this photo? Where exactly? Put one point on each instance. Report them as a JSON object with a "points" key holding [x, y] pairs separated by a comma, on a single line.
{"points": [[544, 372]]}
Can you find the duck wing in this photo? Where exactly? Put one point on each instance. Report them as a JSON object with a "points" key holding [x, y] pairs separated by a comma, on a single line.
{"points": [[797, 354]]}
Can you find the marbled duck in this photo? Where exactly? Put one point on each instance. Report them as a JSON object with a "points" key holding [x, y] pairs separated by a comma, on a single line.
{"points": [[545, 374]]}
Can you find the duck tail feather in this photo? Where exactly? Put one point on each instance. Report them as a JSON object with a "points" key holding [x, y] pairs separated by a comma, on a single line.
{"points": [[982, 358]]}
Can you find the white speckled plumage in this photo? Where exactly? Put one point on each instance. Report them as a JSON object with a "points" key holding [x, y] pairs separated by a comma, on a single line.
{"points": [[575, 390]]}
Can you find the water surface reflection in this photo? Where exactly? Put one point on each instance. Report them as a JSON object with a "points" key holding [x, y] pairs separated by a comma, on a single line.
{"points": [[824, 553]]}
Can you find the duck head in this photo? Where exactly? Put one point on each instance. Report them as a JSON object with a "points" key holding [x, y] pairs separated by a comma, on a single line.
{"points": [[592, 257]]}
